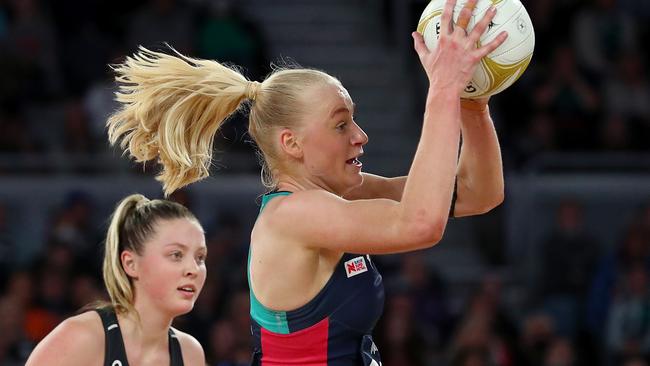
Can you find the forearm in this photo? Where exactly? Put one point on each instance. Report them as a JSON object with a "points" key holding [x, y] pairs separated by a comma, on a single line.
{"points": [[429, 185], [480, 169]]}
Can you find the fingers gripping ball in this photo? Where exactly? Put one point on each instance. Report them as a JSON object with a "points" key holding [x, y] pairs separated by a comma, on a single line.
{"points": [[503, 66]]}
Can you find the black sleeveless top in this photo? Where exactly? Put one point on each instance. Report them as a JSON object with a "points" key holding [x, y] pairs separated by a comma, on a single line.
{"points": [[115, 354]]}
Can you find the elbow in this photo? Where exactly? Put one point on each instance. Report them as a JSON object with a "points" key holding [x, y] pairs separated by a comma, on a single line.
{"points": [[489, 202], [495, 199], [425, 233]]}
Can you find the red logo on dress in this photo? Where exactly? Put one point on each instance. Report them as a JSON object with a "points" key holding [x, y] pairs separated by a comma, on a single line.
{"points": [[355, 266]]}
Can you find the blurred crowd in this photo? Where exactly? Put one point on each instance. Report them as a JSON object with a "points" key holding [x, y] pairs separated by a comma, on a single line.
{"points": [[586, 90], [56, 88]]}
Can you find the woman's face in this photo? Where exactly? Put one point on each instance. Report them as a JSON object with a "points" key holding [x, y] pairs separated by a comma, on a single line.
{"points": [[330, 139], [170, 274]]}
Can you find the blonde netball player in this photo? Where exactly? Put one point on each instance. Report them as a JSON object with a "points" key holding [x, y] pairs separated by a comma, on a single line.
{"points": [[315, 294], [153, 270]]}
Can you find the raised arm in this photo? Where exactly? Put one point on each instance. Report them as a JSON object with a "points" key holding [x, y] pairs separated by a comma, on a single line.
{"points": [[419, 219], [480, 171]]}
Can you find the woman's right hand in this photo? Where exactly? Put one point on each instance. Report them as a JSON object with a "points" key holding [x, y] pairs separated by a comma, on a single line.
{"points": [[451, 65]]}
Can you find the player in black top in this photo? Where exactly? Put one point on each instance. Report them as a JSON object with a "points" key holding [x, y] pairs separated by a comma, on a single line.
{"points": [[154, 269]]}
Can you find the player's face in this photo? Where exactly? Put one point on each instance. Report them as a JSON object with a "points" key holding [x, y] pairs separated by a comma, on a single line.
{"points": [[332, 141], [171, 271]]}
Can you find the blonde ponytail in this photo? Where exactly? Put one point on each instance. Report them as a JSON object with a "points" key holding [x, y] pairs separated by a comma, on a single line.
{"points": [[117, 282], [172, 106]]}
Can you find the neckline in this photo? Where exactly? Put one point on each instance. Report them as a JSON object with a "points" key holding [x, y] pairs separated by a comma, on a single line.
{"points": [[276, 191]]}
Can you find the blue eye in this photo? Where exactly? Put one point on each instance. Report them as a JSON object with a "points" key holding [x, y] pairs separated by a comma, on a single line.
{"points": [[177, 255], [341, 126]]}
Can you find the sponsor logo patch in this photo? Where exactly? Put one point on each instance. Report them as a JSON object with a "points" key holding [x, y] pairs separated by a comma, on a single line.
{"points": [[355, 266]]}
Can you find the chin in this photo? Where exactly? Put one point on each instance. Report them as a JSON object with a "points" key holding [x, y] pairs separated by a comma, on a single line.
{"points": [[181, 309], [353, 184]]}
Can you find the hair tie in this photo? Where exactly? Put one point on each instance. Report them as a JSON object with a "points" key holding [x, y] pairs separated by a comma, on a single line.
{"points": [[252, 87], [142, 202]]}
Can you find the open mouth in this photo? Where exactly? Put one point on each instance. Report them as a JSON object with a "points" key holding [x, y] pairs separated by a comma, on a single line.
{"points": [[187, 289], [354, 161]]}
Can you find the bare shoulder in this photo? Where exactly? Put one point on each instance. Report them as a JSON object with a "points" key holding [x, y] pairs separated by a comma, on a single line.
{"points": [[78, 340], [298, 204], [192, 351], [283, 214]]}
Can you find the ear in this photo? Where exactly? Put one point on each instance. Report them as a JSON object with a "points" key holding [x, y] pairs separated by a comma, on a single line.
{"points": [[290, 144], [129, 263]]}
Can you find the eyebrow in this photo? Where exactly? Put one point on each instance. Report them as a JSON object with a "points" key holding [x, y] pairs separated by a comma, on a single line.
{"points": [[204, 248], [342, 110]]}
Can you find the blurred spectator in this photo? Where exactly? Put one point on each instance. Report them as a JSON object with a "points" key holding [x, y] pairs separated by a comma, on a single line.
{"points": [[472, 357], [486, 327], [400, 342], [568, 96], [627, 95], [183, 197], [14, 133], [78, 140], [538, 333], [20, 287], [85, 49], [31, 53], [99, 102], [238, 315], [635, 361], [539, 136], [568, 258], [159, 22], [560, 353], [84, 290], [72, 227], [633, 250], [227, 243], [14, 346], [207, 309], [222, 347], [226, 36], [4, 22], [6, 245], [615, 134], [552, 20], [601, 33], [427, 292], [627, 92], [628, 328]]}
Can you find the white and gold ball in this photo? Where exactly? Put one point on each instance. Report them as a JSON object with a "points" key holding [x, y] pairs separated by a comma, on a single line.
{"points": [[503, 66]]}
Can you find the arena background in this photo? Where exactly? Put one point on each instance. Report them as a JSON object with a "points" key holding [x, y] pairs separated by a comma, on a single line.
{"points": [[557, 275]]}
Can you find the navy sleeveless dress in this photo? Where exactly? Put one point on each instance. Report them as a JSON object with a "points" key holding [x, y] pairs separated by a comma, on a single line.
{"points": [[333, 329]]}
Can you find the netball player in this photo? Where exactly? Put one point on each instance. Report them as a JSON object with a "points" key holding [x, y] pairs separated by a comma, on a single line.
{"points": [[315, 294], [153, 270]]}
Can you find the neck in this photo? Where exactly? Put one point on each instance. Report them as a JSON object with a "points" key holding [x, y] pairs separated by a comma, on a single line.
{"points": [[147, 332], [296, 184]]}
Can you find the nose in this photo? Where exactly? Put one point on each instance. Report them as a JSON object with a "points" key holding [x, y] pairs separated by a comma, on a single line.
{"points": [[191, 269], [359, 137]]}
